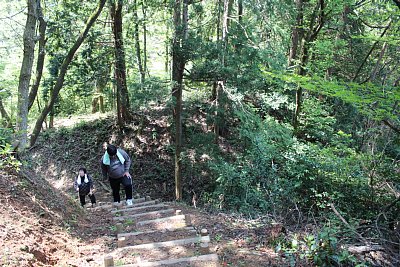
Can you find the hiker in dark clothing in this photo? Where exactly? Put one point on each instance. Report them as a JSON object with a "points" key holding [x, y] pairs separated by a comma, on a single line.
{"points": [[115, 165], [84, 186]]}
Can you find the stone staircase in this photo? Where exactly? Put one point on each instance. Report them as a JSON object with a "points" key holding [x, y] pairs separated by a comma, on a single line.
{"points": [[152, 233]]}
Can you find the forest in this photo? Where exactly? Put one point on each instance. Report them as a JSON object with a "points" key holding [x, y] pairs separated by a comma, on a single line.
{"points": [[281, 112]]}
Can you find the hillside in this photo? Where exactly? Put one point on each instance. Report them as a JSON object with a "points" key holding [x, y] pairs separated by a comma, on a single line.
{"points": [[41, 208]]}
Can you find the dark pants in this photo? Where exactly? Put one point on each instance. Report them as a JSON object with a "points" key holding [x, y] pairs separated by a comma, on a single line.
{"points": [[83, 201], [115, 184]]}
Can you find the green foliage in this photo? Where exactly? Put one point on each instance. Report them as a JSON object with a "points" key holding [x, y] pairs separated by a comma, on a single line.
{"points": [[321, 249], [153, 91], [7, 158], [274, 171]]}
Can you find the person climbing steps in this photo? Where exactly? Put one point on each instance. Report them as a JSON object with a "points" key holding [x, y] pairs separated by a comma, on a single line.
{"points": [[83, 184], [115, 164]]}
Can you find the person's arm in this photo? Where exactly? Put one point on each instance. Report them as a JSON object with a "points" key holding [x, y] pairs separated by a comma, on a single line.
{"points": [[104, 169], [91, 184], [127, 163], [76, 184]]}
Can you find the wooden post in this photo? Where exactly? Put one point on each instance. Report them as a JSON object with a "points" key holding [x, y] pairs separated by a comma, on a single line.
{"points": [[204, 248], [108, 261], [188, 220], [203, 232], [119, 227], [121, 242]]}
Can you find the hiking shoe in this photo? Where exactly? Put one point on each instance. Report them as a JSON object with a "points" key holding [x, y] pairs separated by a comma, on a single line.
{"points": [[129, 202]]}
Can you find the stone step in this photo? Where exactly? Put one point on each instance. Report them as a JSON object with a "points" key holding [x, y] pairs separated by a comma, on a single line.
{"points": [[129, 225], [208, 260], [136, 210], [146, 215], [160, 220], [139, 256], [156, 236], [190, 228], [122, 204], [163, 244], [137, 205]]}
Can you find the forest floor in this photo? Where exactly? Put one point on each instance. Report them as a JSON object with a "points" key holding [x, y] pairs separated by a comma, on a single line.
{"points": [[40, 226], [42, 223]]}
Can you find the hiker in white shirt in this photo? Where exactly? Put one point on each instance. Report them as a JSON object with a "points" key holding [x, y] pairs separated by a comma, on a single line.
{"points": [[83, 184]]}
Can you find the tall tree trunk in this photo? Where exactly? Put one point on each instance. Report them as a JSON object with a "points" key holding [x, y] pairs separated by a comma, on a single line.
{"points": [[101, 84], [316, 21], [137, 42], [25, 75], [51, 118], [370, 52], [240, 11], [378, 63], [218, 115], [120, 66], [178, 65], [63, 70], [41, 55], [146, 70], [296, 33]]}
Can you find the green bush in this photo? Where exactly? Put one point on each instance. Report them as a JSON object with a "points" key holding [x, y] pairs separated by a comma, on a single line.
{"points": [[7, 158], [275, 172], [320, 249]]}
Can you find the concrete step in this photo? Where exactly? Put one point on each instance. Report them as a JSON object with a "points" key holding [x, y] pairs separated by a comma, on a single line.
{"points": [[146, 215], [140, 209], [208, 260], [171, 243], [138, 238], [160, 251]]}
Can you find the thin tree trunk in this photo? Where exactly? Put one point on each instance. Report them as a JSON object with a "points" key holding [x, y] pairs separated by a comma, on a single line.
{"points": [[315, 26], [369, 52], [101, 84], [296, 33], [41, 55], [378, 63], [120, 66], [146, 70], [4, 115], [218, 115], [51, 118], [63, 70], [25, 75], [178, 65], [240, 11], [137, 42]]}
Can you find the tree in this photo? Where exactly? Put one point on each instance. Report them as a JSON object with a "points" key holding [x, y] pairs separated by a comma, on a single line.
{"points": [[63, 70], [120, 66], [316, 22], [142, 69], [25, 75], [41, 55], [178, 66]]}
